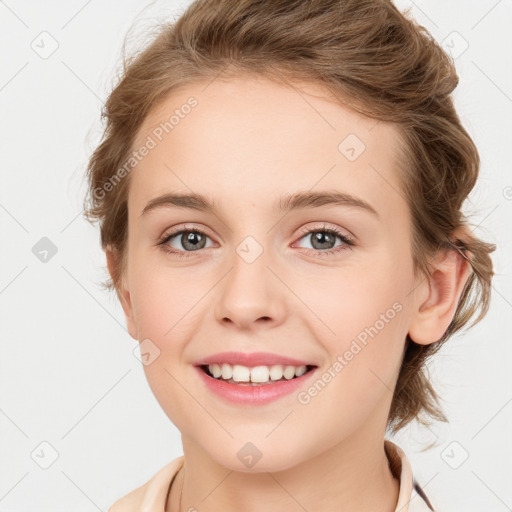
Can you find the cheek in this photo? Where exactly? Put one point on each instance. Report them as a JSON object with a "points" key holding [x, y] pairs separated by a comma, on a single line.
{"points": [[347, 301], [363, 337], [165, 303], [166, 318], [361, 316]]}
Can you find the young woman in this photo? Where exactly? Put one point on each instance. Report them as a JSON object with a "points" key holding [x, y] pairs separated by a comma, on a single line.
{"points": [[279, 190]]}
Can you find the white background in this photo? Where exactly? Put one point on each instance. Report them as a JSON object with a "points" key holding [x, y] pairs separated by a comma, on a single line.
{"points": [[68, 374]]}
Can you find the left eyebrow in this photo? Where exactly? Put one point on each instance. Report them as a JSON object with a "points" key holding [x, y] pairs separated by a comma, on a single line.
{"points": [[308, 199], [296, 201]]}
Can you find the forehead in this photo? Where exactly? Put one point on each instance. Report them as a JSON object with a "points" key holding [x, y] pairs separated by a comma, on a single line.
{"points": [[258, 136]]}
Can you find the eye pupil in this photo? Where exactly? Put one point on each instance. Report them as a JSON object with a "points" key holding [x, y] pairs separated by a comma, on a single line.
{"points": [[324, 239], [193, 240]]}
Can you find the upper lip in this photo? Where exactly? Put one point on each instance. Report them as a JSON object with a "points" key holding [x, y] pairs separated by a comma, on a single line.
{"points": [[251, 359]]}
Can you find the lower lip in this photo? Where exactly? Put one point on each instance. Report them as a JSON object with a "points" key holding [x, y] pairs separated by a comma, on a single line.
{"points": [[253, 395]]}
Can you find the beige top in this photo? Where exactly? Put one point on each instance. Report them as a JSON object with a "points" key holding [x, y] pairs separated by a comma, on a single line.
{"points": [[151, 496]]}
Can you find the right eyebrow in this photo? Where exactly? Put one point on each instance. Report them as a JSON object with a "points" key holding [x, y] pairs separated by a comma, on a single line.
{"points": [[192, 201]]}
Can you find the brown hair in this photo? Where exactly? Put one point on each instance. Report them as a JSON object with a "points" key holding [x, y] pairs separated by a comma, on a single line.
{"points": [[367, 54]]}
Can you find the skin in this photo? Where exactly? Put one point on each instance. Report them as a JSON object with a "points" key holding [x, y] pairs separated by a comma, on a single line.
{"points": [[247, 143]]}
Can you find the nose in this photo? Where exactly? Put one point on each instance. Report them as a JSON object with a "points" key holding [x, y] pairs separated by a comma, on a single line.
{"points": [[251, 295]]}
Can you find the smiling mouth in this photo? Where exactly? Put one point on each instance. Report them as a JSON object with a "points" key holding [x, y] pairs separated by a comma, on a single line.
{"points": [[260, 377]]}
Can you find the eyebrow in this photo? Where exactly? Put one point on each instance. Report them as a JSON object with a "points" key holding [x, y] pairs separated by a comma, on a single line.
{"points": [[296, 201]]}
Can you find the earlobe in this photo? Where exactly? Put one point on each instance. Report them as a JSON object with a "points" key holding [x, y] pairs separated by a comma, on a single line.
{"points": [[123, 293], [434, 314]]}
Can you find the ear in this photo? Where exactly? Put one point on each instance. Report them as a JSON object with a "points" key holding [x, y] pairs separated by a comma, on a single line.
{"points": [[123, 293], [443, 289]]}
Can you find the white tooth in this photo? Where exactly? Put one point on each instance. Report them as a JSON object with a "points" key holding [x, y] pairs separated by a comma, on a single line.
{"points": [[227, 371], [289, 372], [301, 370], [241, 373], [215, 370], [255, 374], [259, 374], [276, 372]]}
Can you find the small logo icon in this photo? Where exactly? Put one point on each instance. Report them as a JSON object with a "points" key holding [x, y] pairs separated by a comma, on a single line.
{"points": [[45, 45], [146, 352], [249, 454], [249, 249], [44, 455], [351, 147], [454, 44], [454, 455], [44, 250]]}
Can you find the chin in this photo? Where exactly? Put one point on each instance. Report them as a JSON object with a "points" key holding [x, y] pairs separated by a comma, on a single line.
{"points": [[254, 457]]}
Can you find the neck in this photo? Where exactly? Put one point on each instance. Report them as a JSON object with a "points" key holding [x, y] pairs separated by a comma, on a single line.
{"points": [[353, 475]]}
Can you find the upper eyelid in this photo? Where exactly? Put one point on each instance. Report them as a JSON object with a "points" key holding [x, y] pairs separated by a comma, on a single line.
{"points": [[304, 231], [329, 227], [177, 231]]}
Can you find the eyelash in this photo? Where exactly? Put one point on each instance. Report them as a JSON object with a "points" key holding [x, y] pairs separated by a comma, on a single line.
{"points": [[348, 242]]}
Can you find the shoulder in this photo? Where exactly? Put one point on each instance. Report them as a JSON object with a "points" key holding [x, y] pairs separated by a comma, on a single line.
{"points": [[151, 494], [130, 501], [411, 496], [419, 501]]}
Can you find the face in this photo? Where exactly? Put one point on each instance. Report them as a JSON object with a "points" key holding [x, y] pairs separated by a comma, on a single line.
{"points": [[326, 282]]}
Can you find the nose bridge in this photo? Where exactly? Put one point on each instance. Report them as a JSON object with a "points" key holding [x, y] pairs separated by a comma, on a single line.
{"points": [[250, 291]]}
